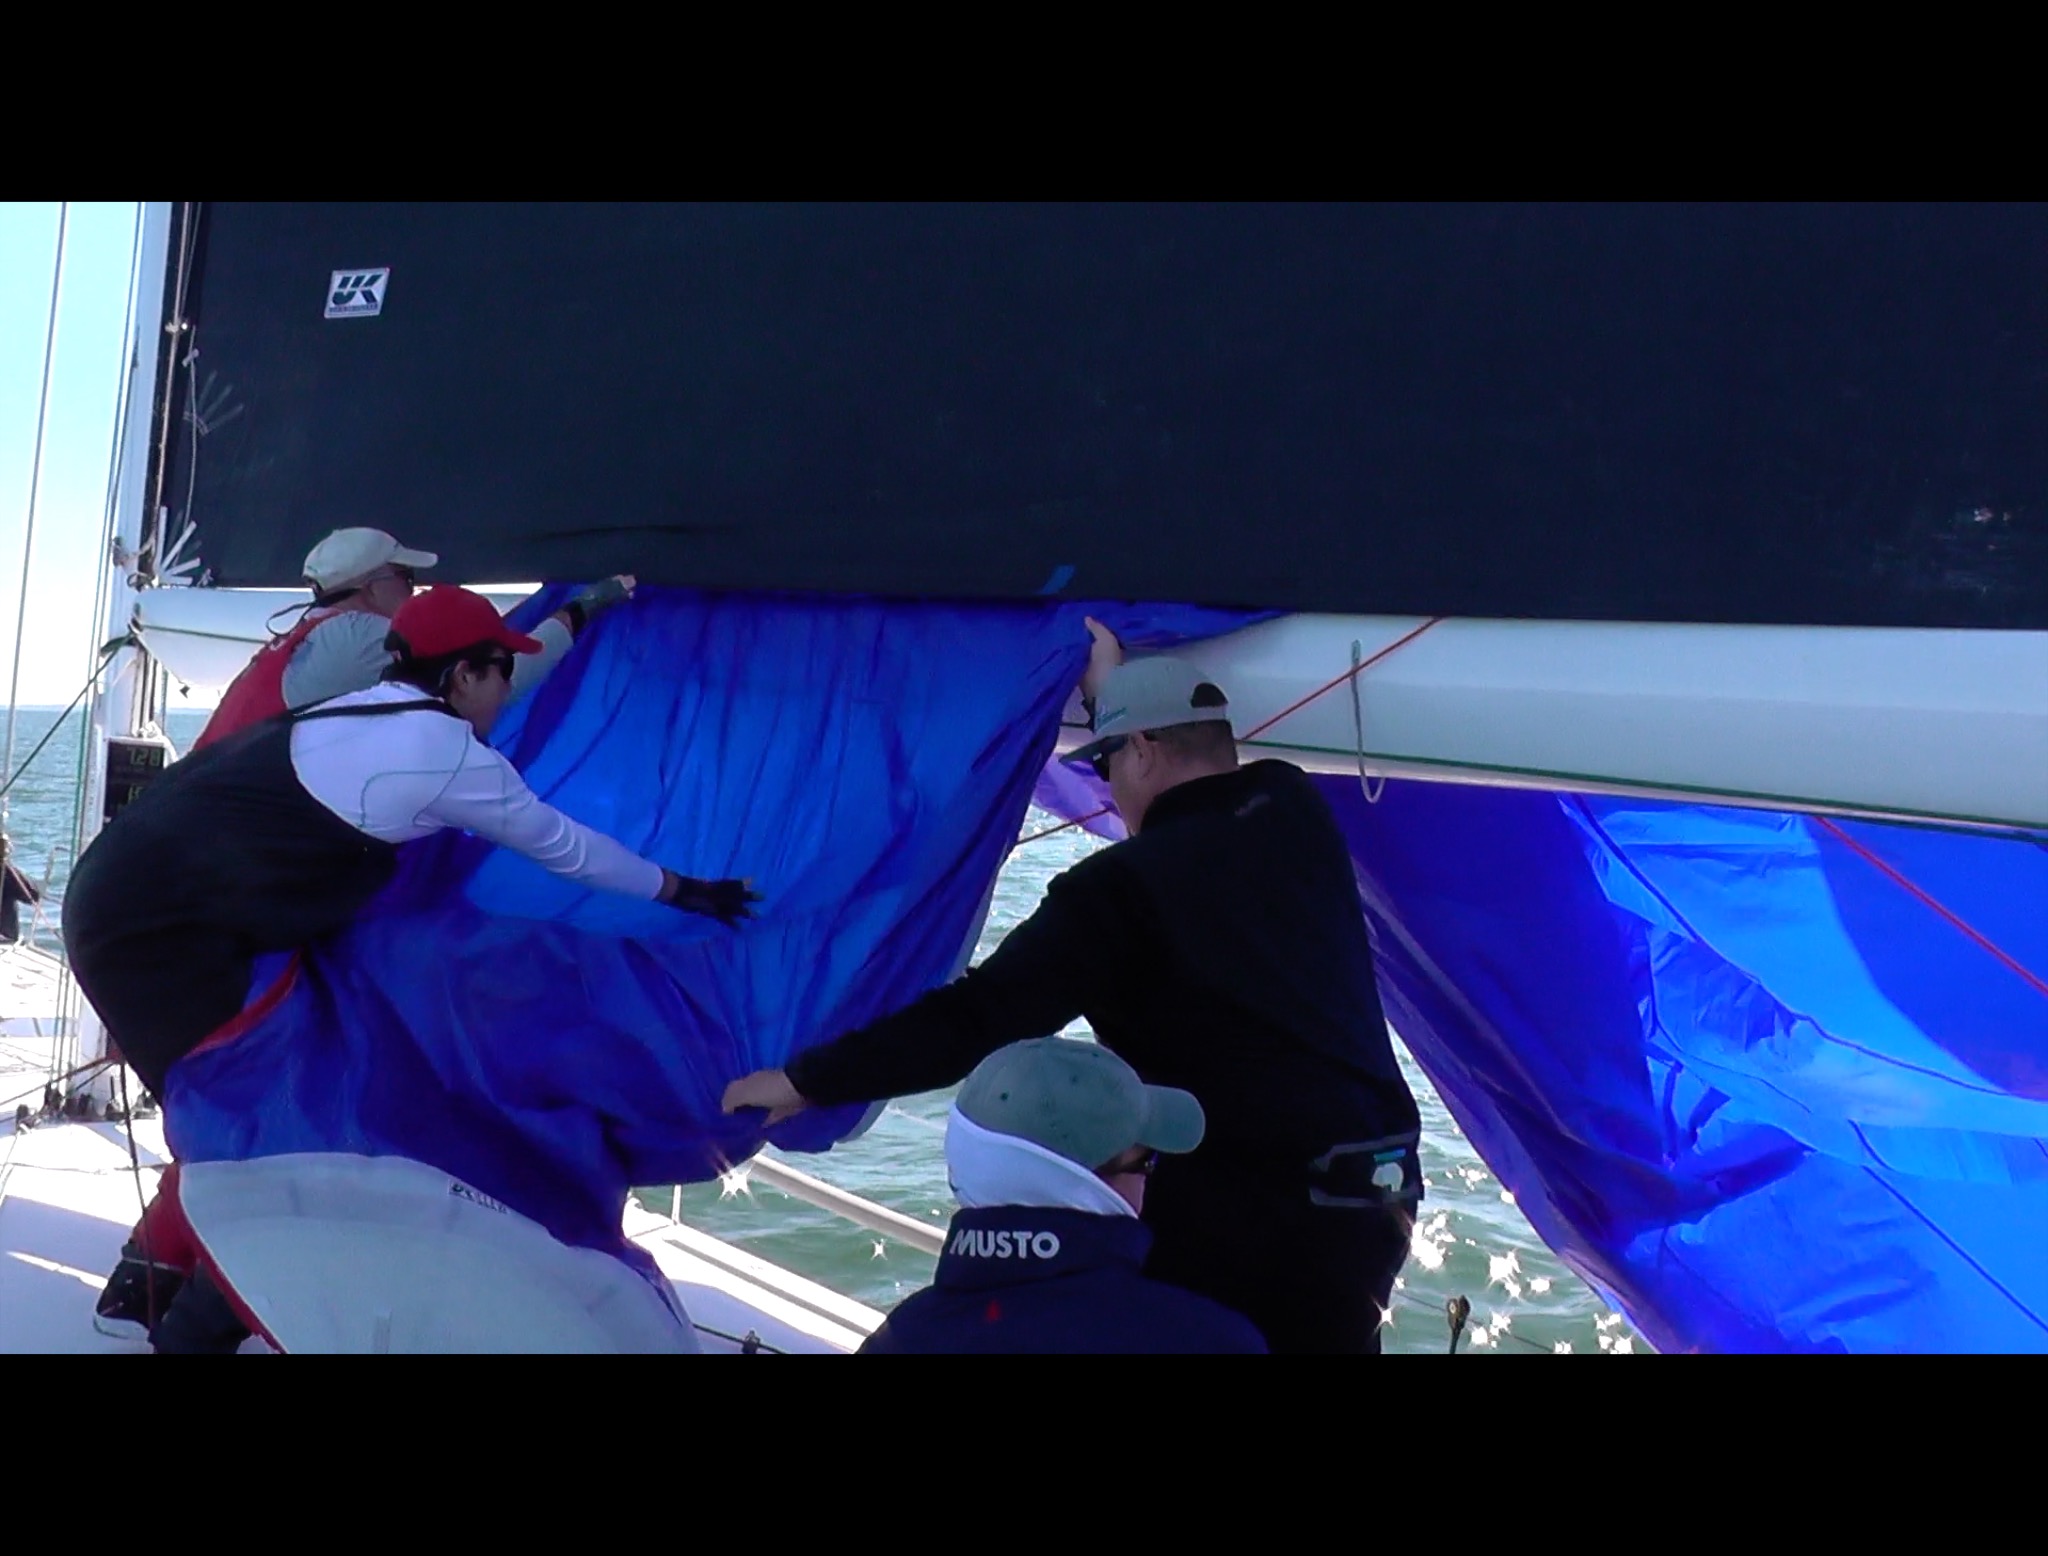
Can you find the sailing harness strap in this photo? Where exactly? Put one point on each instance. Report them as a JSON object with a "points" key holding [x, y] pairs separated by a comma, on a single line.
{"points": [[286, 980], [374, 710]]}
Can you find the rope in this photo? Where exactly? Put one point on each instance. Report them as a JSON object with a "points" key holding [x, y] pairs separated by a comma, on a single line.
{"points": [[1049, 831], [35, 923], [27, 761], [1330, 686], [2033, 979], [35, 482], [1457, 1314], [142, 1204], [759, 1344], [104, 578], [50, 1079], [1358, 666], [1372, 795], [59, 1047], [176, 329]]}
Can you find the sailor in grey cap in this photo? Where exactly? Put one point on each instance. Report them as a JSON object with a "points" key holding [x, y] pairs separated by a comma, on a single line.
{"points": [[1048, 1148], [1169, 722]]}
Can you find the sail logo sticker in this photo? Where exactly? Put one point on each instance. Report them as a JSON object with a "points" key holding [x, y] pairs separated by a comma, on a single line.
{"points": [[356, 294], [459, 1190]]}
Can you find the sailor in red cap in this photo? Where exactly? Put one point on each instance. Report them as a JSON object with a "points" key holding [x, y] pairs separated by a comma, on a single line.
{"points": [[279, 835], [359, 579]]}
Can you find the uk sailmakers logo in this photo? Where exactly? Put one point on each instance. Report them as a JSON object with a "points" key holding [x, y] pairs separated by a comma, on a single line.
{"points": [[460, 1190], [357, 294]]}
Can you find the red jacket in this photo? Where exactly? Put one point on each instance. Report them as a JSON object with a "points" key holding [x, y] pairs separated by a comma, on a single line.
{"points": [[258, 692]]}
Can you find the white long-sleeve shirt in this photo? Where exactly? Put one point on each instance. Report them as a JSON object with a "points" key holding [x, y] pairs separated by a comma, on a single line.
{"points": [[402, 776]]}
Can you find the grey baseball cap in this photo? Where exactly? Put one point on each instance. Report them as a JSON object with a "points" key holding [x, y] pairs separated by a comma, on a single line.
{"points": [[350, 555], [1077, 1100], [1155, 693]]}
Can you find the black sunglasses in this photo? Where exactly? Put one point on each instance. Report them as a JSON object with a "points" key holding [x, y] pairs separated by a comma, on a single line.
{"points": [[1142, 1166], [1100, 760]]}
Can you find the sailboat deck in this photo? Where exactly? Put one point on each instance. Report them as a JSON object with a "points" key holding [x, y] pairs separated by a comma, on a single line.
{"points": [[70, 1191]]}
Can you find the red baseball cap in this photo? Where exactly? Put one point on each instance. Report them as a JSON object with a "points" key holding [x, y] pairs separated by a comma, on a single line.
{"points": [[446, 620]]}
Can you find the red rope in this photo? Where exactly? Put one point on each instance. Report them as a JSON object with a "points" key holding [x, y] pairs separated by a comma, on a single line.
{"points": [[2033, 979], [1049, 831], [1361, 666]]}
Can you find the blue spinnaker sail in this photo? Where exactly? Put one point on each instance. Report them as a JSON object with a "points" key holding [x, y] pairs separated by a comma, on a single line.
{"points": [[867, 765], [1763, 1090], [1770, 1082]]}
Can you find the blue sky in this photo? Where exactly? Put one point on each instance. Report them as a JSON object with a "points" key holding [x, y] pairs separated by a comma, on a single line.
{"points": [[85, 380]]}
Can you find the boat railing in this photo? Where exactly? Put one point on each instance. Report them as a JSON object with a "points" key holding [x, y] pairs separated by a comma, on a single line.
{"points": [[829, 1197]]}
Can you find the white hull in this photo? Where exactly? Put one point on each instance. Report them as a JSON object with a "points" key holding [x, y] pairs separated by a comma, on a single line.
{"points": [[387, 1266]]}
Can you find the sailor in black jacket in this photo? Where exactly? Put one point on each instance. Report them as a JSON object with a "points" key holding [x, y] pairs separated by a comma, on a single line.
{"points": [[1221, 948]]}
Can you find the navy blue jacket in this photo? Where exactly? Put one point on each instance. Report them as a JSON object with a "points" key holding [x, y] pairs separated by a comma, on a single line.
{"points": [[1019, 1280]]}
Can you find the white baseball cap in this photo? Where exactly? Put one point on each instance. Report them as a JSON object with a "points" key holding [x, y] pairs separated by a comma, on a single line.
{"points": [[1157, 693], [351, 555]]}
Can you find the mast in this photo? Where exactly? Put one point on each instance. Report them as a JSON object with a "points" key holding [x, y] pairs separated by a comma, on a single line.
{"points": [[118, 705]]}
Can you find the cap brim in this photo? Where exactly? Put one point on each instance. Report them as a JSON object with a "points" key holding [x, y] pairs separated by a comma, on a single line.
{"points": [[1173, 1120], [520, 643], [1090, 751], [403, 557], [1094, 747]]}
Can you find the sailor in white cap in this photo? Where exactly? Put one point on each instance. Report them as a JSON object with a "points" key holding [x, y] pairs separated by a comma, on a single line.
{"points": [[359, 578]]}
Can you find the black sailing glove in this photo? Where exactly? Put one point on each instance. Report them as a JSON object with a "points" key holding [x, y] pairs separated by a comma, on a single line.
{"points": [[586, 603], [726, 901]]}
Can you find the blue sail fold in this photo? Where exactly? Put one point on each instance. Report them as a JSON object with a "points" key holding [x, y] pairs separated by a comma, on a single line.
{"points": [[868, 765], [1770, 1082]]}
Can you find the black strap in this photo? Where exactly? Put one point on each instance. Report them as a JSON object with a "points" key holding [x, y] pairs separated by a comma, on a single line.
{"points": [[371, 710]]}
